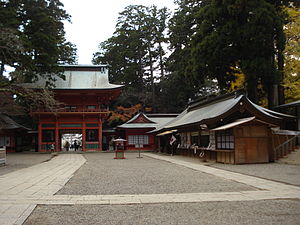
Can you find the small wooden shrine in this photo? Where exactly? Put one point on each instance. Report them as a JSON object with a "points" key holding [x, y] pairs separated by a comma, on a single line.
{"points": [[135, 131]]}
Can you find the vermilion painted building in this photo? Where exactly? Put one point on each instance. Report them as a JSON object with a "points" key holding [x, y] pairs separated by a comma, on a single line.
{"points": [[136, 130], [85, 95]]}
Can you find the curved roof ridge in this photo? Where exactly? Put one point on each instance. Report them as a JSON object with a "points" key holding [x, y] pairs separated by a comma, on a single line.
{"points": [[206, 112], [269, 112], [213, 98], [137, 115]]}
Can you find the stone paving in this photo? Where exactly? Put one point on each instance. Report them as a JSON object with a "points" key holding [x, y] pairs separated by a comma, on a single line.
{"points": [[20, 160], [22, 190], [39, 181]]}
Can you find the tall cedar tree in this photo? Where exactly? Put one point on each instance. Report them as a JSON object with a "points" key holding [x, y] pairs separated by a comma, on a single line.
{"points": [[135, 52], [240, 34], [179, 85], [32, 41], [215, 39]]}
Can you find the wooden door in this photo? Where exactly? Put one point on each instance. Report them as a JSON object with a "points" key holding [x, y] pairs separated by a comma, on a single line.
{"points": [[251, 150], [240, 151]]}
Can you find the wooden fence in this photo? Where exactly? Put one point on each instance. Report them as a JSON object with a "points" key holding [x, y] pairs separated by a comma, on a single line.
{"points": [[284, 142]]}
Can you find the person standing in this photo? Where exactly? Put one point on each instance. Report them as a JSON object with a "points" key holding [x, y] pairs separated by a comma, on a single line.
{"points": [[76, 145], [67, 146]]}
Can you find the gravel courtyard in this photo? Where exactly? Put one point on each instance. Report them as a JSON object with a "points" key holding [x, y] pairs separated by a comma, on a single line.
{"points": [[272, 212], [102, 174]]}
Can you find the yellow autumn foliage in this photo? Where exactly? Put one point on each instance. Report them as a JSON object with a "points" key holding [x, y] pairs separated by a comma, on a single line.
{"points": [[239, 82], [292, 55]]}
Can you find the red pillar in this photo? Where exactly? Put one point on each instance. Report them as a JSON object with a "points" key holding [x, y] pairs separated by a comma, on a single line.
{"points": [[57, 147], [40, 137], [100, 135], [83, 136]]}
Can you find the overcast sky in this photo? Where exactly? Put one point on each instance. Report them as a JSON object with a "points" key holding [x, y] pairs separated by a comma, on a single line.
{"points": [[93, 21]]}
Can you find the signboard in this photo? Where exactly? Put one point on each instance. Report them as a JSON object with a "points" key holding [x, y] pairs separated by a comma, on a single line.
{"points": [[172, 140], [2, 155]]}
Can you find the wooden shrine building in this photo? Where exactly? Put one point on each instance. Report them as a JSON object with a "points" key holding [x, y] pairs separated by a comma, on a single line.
{"points": [[85, 95], [135, 131], [227, 129], [10, 133]]}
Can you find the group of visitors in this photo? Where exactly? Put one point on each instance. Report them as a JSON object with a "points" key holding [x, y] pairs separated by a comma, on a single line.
{"points": [[74, 146]]}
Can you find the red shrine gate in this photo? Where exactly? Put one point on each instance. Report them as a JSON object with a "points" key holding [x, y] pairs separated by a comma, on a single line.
{"points": [[89, 125], [85, 95]]}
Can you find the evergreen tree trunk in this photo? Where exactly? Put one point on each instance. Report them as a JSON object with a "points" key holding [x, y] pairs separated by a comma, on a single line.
{"points": [[152, 78], [1, 69], [161, 60], [252, 90], [272, 88], [281, 98], [140, 71], [272, 96]]}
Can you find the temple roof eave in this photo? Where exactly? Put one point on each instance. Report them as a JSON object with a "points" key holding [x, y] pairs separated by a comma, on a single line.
{"points": [[216, 110]]}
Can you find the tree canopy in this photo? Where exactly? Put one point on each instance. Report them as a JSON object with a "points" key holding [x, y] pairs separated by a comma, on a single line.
{"points": [[205, 47], [32, 42], [230, 36], [213, 46], [135, 52]]}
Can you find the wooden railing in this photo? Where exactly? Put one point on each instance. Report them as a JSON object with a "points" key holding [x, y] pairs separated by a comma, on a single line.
{"points": [[285, 147]]}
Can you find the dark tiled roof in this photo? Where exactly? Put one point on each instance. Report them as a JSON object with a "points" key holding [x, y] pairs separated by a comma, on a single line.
{"points": [[209, 109], [6, 123], [153, 121], [291, 104]]}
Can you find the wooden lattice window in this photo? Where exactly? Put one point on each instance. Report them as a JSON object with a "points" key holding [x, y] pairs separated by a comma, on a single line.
{"points": [[138, 139], [91, 135], [225, 139]]}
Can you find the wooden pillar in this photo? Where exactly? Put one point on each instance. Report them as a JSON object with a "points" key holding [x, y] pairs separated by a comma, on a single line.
{"points": [[40, 137], [57, 147], [83, 137], [100, 135]]}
